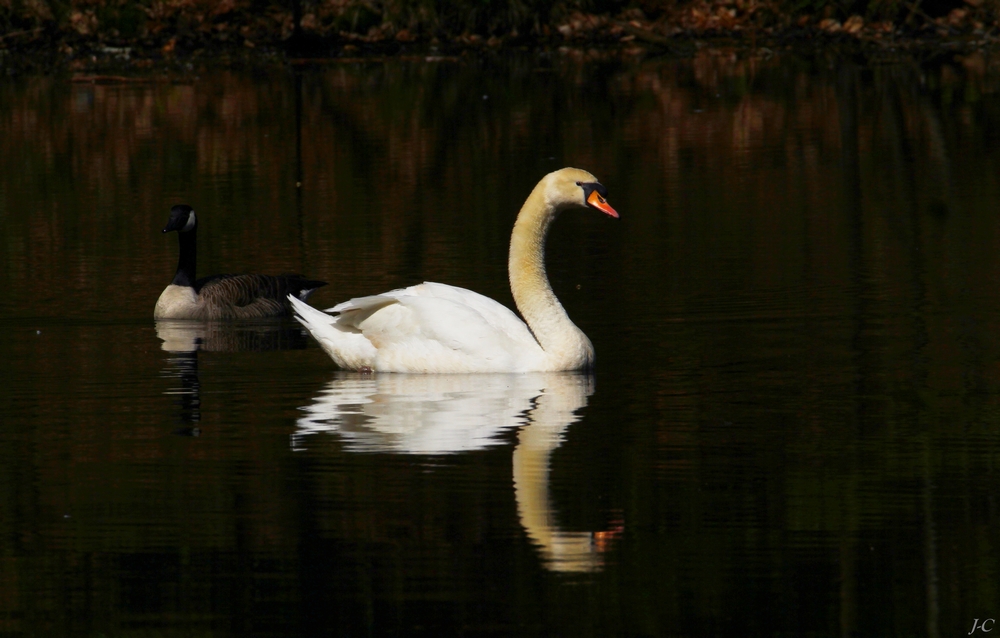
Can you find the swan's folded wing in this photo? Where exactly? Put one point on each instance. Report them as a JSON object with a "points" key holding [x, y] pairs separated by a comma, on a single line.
{"points": [[440, 328], [497, 315], [447, 317], [434, 327], [354, 311]]}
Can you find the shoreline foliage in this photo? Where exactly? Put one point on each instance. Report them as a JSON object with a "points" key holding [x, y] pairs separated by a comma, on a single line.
{"points": [[152, 28]]}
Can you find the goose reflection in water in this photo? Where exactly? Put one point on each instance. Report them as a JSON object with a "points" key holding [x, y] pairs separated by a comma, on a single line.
{"points": [[448, 414], [184, 339], [185, 335]]}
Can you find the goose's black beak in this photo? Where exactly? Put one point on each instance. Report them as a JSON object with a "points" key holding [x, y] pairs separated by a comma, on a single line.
{"points": [[180, 216]]}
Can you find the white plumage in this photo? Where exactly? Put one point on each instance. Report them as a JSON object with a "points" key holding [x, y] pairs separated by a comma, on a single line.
{"points": [[437, 328]]}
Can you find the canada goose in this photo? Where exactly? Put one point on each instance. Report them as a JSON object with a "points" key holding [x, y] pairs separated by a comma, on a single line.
{"points": [[438, 328], [222, 296]]}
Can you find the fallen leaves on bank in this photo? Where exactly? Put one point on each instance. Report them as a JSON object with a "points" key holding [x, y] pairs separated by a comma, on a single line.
{"points": [[170, 28]]}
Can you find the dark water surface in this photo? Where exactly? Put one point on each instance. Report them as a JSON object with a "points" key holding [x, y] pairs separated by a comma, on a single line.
{"points": [[793, 428]]}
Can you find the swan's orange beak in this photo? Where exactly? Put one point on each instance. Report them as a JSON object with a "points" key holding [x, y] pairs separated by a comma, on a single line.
{"points": [[601, 204]]}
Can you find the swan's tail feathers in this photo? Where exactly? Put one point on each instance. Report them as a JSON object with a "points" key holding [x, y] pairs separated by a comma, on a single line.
{"points": [[347, 347], [311, 318]]}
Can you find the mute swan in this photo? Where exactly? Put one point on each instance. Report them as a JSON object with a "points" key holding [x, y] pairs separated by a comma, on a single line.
{"points": [[436, 328], [222, 296]]}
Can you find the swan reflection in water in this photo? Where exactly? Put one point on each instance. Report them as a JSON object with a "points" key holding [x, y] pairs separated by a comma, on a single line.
{"points": [[184, 339], [447, 414]]}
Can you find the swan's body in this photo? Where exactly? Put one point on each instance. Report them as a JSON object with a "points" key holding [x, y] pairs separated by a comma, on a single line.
{"points": [[222, 296], [436, 328]]}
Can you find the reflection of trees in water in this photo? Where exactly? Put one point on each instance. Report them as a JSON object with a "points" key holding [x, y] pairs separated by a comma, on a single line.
{"points": [[397, 137], [448, 414], [414, 121], [898, 130]]}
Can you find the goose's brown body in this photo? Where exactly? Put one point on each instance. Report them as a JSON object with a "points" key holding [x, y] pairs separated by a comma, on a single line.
{"points": [[248, 296]]}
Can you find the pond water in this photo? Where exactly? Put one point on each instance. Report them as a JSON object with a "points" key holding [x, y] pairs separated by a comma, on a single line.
{"points": [[793, 427]]}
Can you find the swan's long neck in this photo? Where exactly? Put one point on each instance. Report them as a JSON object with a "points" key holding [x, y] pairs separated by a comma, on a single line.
{"points": [[529, 283], [187, 260]]}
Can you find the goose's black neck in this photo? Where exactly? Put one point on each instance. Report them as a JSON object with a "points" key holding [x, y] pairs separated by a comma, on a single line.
{"points": [[187, 260]]}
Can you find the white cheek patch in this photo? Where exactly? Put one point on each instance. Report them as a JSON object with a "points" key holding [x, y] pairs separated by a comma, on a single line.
{"points": [[190, 223]]}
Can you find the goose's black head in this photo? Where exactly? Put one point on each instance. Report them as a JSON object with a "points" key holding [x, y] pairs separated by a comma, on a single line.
{"points": [[182, 219]]}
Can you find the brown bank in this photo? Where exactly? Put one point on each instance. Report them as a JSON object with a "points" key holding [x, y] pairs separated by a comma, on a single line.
{"points": [[89, 36]]}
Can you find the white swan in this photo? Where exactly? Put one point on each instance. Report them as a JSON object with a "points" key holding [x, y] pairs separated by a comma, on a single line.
{"points": [[221, 296], [436, 328]]}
